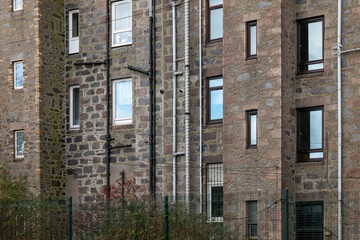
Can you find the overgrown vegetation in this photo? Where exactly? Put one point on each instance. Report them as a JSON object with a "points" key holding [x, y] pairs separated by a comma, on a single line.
{"points": [[122, 213]]}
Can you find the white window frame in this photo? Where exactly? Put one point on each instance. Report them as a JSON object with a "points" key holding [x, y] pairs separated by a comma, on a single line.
{"points": [[16, 146], [120, 121], [218, 169], [113, 18], [14, 70], [72, 106], [21, 7], [73, 41]]}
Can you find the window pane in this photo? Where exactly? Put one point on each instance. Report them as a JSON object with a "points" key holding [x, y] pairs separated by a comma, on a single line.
{"points": [[316, 129], [20, 143], [253, 40], [123, 16], [253, 230], [315, 42], [216, 23], [215, 2], [122, 37], [315, 66], [19, 74], [253, 119], [216, 82], [216, 104], [18, 4], [253, 211], [75, 25], [76, 106], [123, 100], [217, 201]]}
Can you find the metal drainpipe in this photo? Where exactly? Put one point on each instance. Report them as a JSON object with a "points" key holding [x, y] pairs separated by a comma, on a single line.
{"points": [[200, 105], [174, 99], [187, 104], [152, 99], [339, 47], [108, 136]]}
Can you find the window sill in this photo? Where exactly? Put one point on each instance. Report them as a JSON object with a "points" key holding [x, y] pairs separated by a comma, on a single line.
{"points": [[19, 159], [214, 42], [121, 45], [320, 72], [122, 126], [252, 147], [251, 57], [18, 12], [318, 160]]}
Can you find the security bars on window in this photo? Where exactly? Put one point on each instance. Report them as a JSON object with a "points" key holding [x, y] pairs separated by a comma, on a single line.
{"points": [[215, 192]]}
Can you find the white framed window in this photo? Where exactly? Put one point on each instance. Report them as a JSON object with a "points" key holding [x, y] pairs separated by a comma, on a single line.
{"points": [[17, 5], [215, 198], [75, 106], [122, 101], [19, 143], [74, 31], [18, 69], [121, 23]]}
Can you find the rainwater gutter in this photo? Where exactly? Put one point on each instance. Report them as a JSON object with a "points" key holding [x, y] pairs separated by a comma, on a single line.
{"points": [[339, 47]]}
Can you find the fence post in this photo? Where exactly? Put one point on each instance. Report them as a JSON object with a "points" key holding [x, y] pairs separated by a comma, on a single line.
{"points": [[286, 214], [166, 218], [70, 218]]}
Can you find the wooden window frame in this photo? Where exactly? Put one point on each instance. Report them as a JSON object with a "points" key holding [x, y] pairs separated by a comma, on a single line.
{"points": [[16, 144], [248, 128], [298, 209], [208, 22], [301, 62], [209, 89], [74, 42], [248, 40], [113, 20], [14, 71], [122, 121], [249, 223], [20, 8], [298, 152]]}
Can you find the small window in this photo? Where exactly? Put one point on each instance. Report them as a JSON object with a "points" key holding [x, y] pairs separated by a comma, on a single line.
{"points": [[309, 220], [74, 31], [311, 45], [251, 39], [121, 23], [17, 5], [19, 143], [215, 100], [18, 75], [251, 129], [215, 192], [215, 19], [252, 219], [75, 106], [122, 99], [310, 134]]}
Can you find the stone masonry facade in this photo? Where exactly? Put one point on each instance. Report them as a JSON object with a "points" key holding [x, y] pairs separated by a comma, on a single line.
{"points": [[64, 161]]}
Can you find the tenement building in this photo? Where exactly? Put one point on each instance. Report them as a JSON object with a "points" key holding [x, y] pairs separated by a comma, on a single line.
{"points": [[245, 111]]}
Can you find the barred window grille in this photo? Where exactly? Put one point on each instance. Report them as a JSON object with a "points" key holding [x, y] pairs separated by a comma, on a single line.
{"points": [[309, 221], [215, 192]]}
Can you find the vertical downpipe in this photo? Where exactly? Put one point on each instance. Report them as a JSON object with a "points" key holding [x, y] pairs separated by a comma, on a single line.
{"points": [[200, 106], [339, 48], [187, 104], [152, 100], [108, 137], [174, 98]]}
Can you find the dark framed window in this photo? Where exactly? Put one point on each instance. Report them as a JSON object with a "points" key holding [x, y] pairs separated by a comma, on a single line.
{"points": [[251, 118], [75, 106], [215, 20], [215, 193], [252, 219], [215, 100], [310, 220], [311, 45], [310, 134], [251, 39]]}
